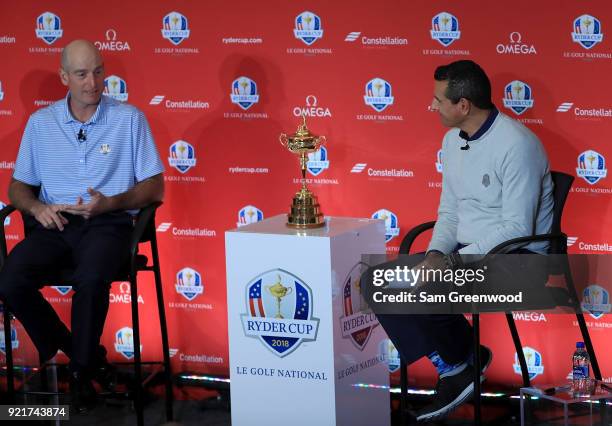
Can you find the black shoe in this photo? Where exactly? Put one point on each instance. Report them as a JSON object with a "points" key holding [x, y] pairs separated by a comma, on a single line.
{"points": [[451, 391], [82, 392], [105, 374]]}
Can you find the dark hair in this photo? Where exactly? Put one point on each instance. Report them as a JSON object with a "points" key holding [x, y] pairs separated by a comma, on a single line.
{"points": [[466, 80]]}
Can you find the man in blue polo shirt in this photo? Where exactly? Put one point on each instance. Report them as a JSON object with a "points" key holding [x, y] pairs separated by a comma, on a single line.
{"points": [[86, 164]]}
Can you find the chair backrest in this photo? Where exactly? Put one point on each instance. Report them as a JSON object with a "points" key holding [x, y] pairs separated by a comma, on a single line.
{"points": [[562, 184]]}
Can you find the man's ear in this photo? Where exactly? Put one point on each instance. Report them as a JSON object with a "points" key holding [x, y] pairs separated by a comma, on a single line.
{"points": [[465, 106], [63, 76]]}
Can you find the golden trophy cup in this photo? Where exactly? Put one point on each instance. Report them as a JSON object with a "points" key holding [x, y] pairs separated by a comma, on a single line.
{"points": [[305, 210], [278, 291]]}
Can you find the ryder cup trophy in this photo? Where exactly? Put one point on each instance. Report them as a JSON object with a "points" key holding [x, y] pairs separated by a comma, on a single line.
{"points": [[305, 210]]}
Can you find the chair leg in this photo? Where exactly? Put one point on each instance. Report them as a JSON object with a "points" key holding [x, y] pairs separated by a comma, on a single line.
{"points": [[164, 333], [8, 352], [138, 405], [519, 350], [477, 368], [403, 390]]}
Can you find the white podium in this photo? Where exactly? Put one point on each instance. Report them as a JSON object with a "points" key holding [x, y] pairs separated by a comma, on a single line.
{"points": [[304, 349]]}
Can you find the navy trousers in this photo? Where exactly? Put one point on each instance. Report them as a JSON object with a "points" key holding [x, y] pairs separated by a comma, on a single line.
{"points": [[93, 251], [418, 335]]}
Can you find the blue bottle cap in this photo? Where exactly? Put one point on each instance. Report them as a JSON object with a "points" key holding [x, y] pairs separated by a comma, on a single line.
{"points": [[580, 344]]}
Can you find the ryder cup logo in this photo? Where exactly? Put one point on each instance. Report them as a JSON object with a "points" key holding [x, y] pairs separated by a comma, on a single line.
{"points": [[189, 283], [62, 289], [378, 94], [390, 354], [244, 93], [439, 162], [317, 161], [534, 362], [175, 28], [7, 220], [596, 301], [587, 31], [182, 156], [358, 320], [49, 27], [445, 28], [124, 342], [308, 27], [391, 224], [248, 215], [14, 340], [518, 97], [116, 88], [279, 312], [591, 166]]}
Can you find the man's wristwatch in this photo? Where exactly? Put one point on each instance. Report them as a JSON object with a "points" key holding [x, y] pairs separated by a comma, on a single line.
{"points": [[453, 261]]}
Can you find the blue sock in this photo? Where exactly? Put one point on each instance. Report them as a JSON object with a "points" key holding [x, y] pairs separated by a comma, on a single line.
{"points": [[443, 368]]}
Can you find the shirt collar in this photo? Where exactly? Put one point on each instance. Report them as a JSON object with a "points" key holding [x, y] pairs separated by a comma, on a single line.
{"points": [[98, 117], [483, 129]]}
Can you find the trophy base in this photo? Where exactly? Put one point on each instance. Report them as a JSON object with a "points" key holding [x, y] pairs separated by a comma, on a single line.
{"points": [[305, 211]]}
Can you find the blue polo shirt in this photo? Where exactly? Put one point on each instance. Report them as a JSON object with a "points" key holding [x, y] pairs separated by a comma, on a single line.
{"points": [[115, 151]]}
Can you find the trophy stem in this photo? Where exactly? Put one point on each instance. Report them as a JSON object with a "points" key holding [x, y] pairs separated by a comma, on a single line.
{"points": [[278, 314]]}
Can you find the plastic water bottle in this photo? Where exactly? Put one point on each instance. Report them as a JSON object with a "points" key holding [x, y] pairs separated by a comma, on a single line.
{"points": [[581, 365]]}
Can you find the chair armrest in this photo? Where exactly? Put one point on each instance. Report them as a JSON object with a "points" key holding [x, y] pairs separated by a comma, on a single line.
{"points": [[3, 215], [412, 235], [533, 238], [145, 219]]}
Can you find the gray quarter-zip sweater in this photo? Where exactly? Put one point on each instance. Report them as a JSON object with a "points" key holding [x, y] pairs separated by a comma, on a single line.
{"points": [[498, 189]]}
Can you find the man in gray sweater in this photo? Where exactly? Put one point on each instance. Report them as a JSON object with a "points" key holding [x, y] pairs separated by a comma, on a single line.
{"points": [[496, 186]]}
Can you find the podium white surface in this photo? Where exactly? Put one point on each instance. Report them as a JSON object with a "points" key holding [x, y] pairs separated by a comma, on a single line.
{"points": [[321, 363]]}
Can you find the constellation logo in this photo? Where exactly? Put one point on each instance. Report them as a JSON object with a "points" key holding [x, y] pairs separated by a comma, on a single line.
{"points": [[516, 46], [163, 227], [8, 39], [308, 27], [518, 97], [116, 88], [179, 105], [565, 107], [156, 100], [311, 109], [571, 241], [445, 29], [376, 41], [587, 31], [49, 28], [111, 43], [359, 167], [351, 37], [175, 28]]}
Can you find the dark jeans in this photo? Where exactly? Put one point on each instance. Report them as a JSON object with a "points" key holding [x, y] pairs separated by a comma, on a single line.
{"points": [[93, 251]]}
